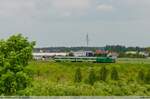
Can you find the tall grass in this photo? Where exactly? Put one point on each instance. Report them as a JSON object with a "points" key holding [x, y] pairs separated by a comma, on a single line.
{"points": [[57, 79]]}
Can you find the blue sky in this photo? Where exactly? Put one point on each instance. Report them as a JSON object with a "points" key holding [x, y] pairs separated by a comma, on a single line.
{"points": [[66, 22]]}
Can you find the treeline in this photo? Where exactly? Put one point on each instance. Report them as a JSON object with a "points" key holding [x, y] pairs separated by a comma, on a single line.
{"points": [[66, 49], [120, 48], [137, 55], [112, 48]]}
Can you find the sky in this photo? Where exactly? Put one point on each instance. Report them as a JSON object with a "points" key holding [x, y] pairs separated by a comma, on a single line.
{"points": [[54, 23]]}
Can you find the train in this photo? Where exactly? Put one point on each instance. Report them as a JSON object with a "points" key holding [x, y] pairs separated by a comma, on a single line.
{"points": [[86, 59]]}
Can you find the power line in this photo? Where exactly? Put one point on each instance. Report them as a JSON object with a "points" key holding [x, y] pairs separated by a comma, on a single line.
{"points": [[87, 40]]}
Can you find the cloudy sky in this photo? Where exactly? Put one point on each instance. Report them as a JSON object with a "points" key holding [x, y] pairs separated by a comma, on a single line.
{"points": [[66, 22]]}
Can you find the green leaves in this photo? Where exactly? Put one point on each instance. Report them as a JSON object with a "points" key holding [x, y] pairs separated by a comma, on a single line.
{"points": [[147, 77], [141, 76], [22, 80], [114, 74], [15, 53], [8, 83], [103, 74], [92, 77], [78, 75]]}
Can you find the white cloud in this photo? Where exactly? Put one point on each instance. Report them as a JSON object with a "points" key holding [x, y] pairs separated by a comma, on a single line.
{"points": [[69, 7], [133, 4], [71, 4], [59, 8], [16, 7], [43, 8], [104, 7], [133, 9]]}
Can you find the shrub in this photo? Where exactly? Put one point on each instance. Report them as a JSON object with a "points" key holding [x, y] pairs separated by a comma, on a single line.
{"points": [[141, 76], [78, 75], [103, 74], [92, 77], [147, 77], [114, 74]]}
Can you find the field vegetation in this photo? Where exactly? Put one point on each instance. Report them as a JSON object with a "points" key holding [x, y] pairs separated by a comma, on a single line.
{"points": [[87, 79]]}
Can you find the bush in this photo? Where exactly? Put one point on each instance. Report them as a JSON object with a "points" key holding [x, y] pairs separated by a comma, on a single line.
{"points": [[114, 74], [78, 75], [141, 76], [147, 77], [91, 77], [103, 74]]}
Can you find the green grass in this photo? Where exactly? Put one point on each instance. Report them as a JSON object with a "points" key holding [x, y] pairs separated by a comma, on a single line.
{"points": [[57, 79]]}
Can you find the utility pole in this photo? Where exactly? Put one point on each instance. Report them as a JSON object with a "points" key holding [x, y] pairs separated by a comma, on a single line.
{"points": [[87, 40]]}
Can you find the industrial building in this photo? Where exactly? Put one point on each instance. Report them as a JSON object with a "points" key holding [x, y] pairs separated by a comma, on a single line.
{"points": [[83, 54], [46, 55]]}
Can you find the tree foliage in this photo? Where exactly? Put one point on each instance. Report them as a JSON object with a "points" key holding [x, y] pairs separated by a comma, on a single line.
{"points": [[91, 77], [78, 75], [147, 77], [15, 53], [114, 74], [103, 73], [141, 76]]}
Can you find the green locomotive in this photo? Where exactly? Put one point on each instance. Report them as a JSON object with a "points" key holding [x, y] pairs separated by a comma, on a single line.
{"points": [[105, 60]]}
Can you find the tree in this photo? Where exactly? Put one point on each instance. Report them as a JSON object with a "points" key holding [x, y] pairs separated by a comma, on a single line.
{"points": [[15, 53], [71, 54], [78, 75], [92, 77], [114, 74], [103, 74], [141, 76], [147, 77]]}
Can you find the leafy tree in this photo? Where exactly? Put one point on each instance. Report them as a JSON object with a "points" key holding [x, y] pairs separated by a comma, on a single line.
{"points": [[92, 77], [15, 53], [78, 75], [71, 54], [114, 74], [147, 77], [103, 74], [141, 76]]}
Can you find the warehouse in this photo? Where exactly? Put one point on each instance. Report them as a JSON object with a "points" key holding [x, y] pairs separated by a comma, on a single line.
{"points": [[45, 56], [83, 54]]}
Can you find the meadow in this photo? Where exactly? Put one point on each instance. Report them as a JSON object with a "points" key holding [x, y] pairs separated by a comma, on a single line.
{"points": [[57, 79]]}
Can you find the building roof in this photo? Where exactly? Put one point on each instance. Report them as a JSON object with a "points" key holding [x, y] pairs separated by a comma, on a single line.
{"points": [[101, 52], [50, 54]]}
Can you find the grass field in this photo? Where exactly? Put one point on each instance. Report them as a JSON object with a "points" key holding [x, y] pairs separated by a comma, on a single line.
{"points": [[57, 79]]}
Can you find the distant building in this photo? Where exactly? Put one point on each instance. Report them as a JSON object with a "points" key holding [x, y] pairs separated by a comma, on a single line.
{"points": [[146, 54], [83, 53], [131, 52], [141, 54], [44, 56], [114, 55], [89, 53], [101, 52]]}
